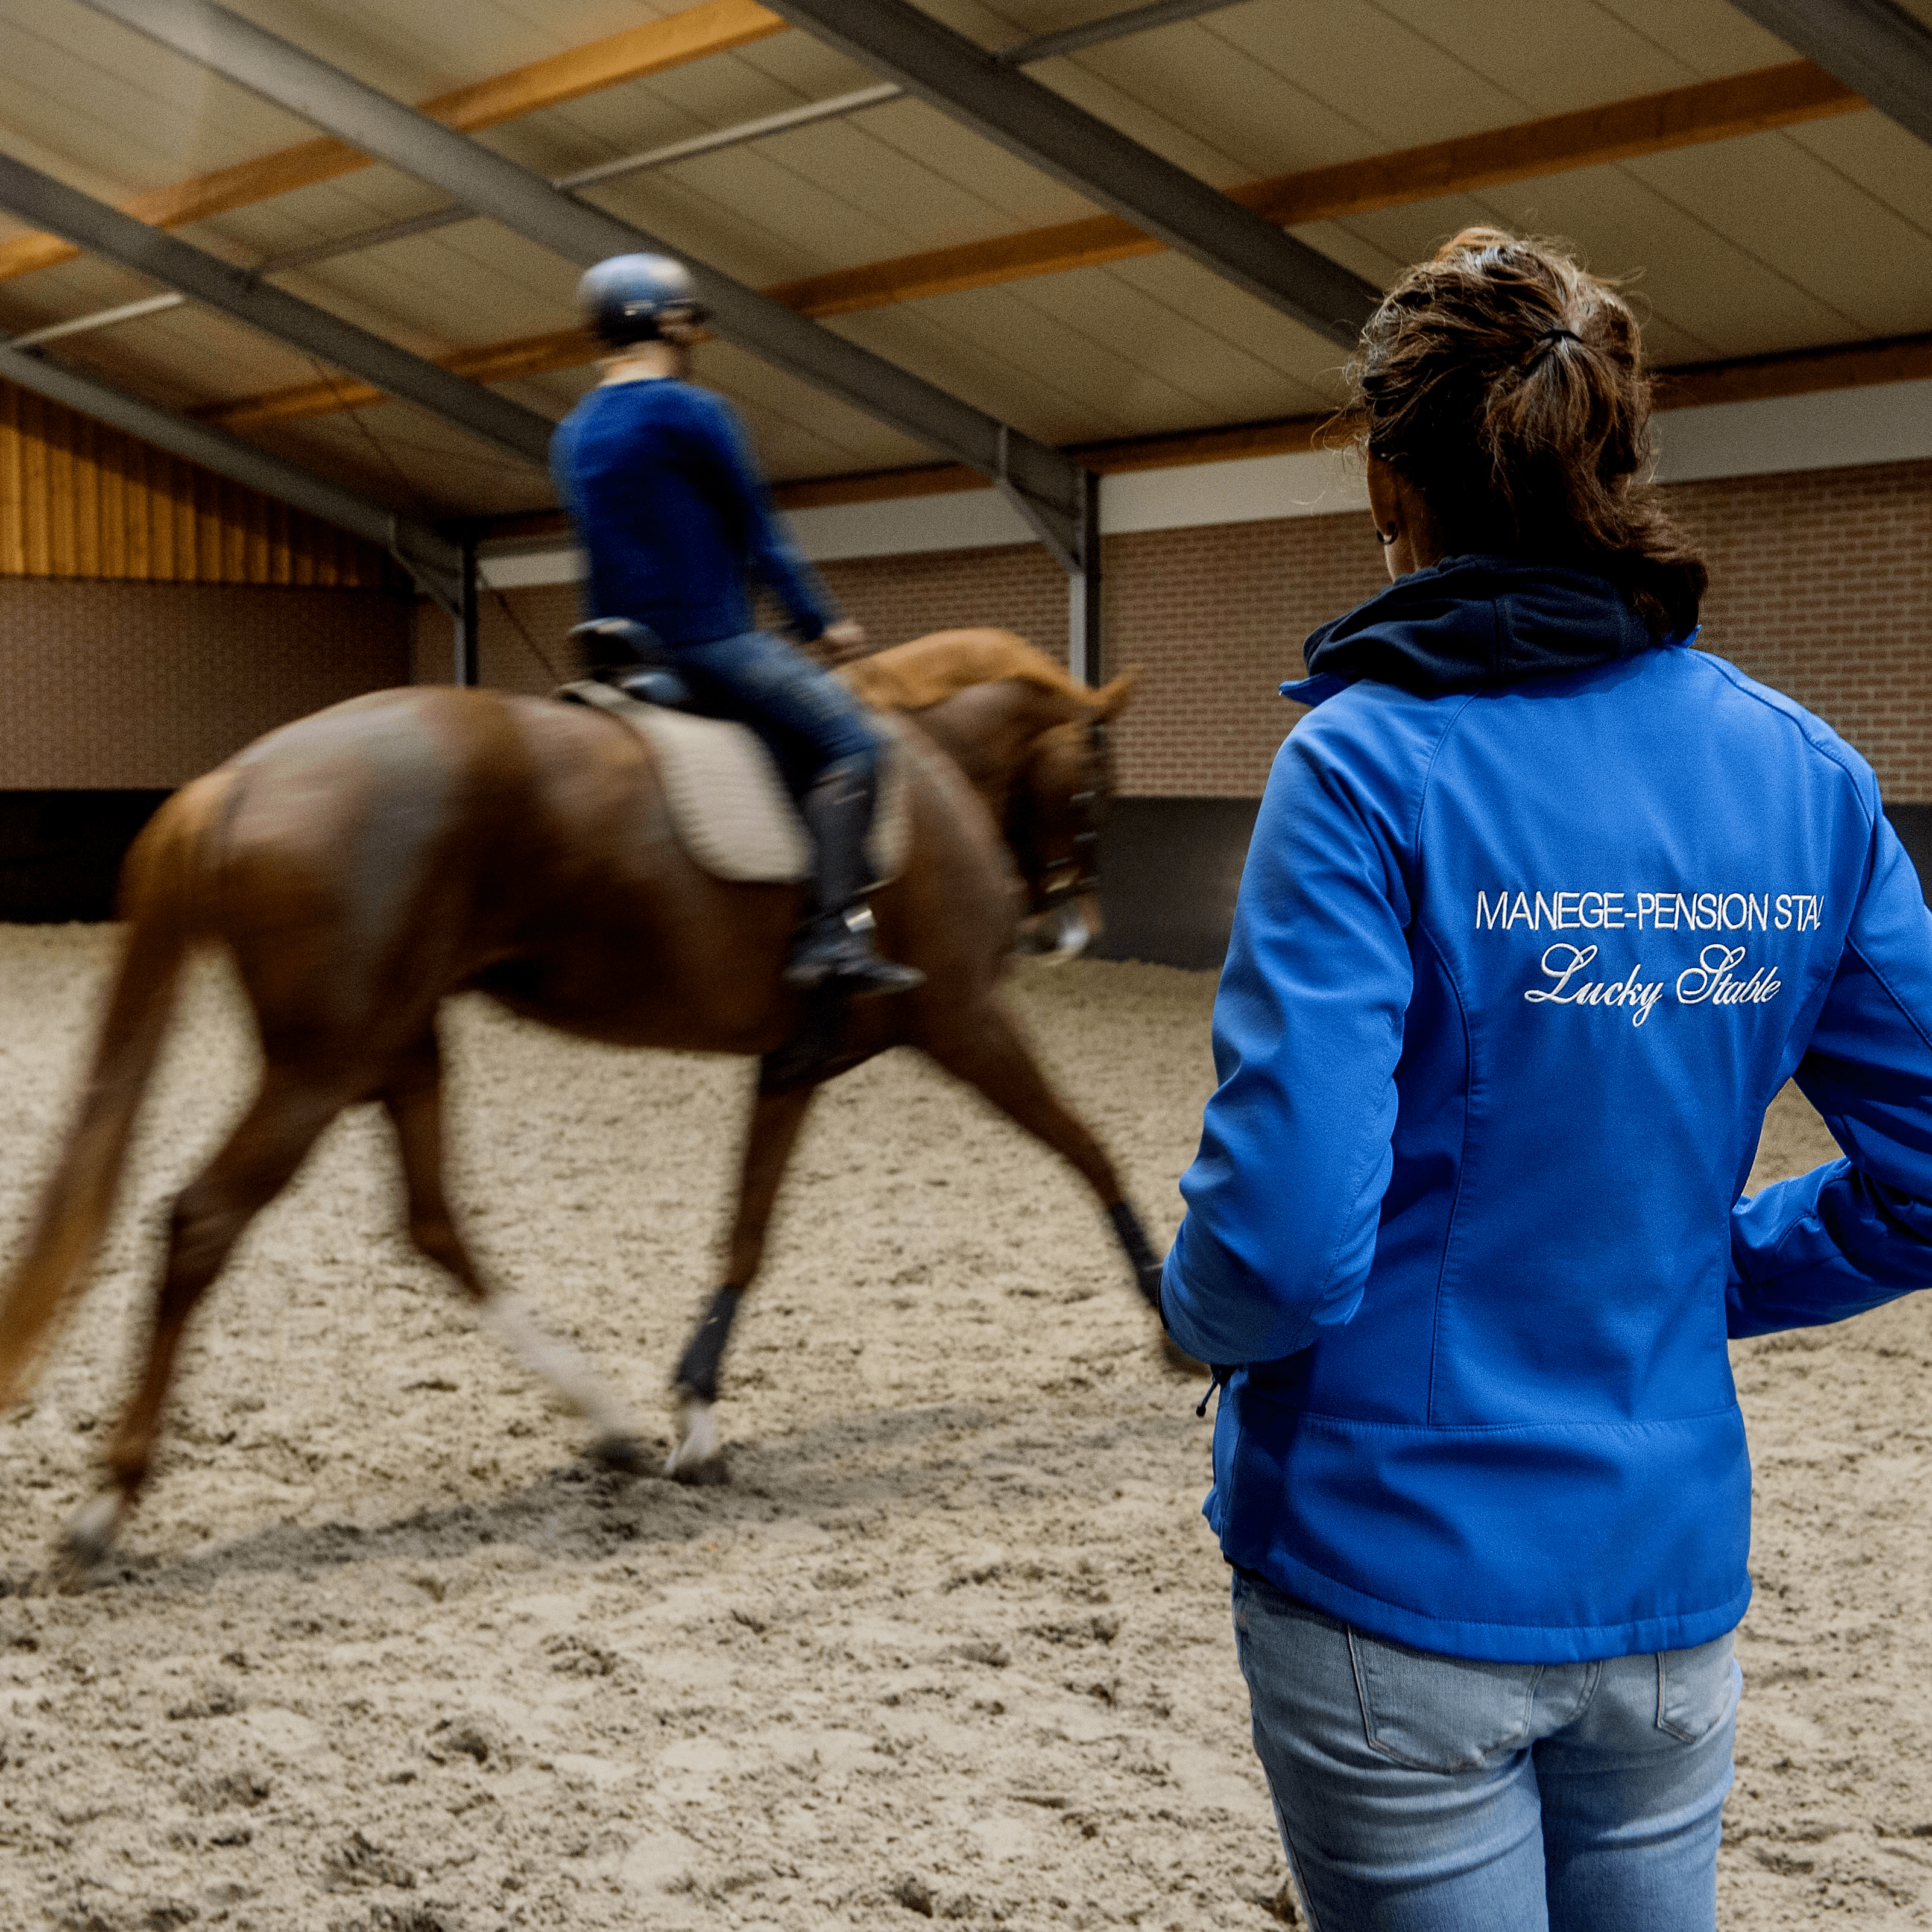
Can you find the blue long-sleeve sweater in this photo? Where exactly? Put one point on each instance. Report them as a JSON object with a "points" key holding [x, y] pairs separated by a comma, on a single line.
{"points": [[1522, 952], [668, 504]]}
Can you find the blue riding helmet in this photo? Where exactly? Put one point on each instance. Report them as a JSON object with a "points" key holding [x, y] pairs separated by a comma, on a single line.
{"points": [[624, 299]]}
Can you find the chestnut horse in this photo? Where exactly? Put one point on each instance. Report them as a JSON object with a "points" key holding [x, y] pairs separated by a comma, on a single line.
{"points": [[363, 865]]}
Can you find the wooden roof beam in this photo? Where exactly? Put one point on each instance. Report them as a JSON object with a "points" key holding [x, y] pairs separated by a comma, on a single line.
{"points": [[714, 26], [1747, 103], [1622, 130], [1802, 372], [1748, 378]]}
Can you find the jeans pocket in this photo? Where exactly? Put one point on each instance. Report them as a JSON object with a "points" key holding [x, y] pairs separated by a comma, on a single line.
{"points": [[1696, 1689], [1443, 1713]]}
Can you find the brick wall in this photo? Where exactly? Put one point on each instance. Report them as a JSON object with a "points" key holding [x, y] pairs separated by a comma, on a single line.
{"points": [[524, 640], [1017, 586], [120, 686], [1821, 586], [1214, 619]]}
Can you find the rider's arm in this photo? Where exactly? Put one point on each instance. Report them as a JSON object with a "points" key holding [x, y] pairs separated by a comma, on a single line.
{"points": [[1858, 1231], [773, 558], [1284, 1196]]}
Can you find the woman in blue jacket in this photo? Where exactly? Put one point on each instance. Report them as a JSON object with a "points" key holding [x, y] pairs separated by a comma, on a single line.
{"points": [[1543, 906]]}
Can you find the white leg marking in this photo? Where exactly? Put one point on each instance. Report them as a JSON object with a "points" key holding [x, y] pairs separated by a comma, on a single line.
{"points": [[697, 1442], [559, 1365], [91, 1529]]}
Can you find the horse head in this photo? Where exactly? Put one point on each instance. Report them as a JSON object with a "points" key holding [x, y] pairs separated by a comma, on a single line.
{"points": [[1033, 741]]}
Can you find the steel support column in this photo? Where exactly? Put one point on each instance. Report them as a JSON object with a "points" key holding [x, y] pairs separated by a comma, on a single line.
{"points": [[1083, 657], [467, 616], [1043, 480]]}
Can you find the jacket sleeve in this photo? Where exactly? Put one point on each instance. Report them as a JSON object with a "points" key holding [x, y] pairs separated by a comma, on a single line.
{"points": [[1284, 1197], [1858, 1231], [773, 558]]}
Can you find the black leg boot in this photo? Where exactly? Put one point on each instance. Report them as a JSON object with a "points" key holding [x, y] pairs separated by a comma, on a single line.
{"points": [[834, 949]]}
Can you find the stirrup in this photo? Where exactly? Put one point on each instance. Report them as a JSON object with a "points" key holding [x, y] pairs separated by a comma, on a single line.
{"points": [[835, 951]]}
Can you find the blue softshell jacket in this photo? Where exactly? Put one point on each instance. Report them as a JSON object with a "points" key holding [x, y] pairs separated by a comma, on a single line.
{"points": [[1522, 951], [677, 524]]}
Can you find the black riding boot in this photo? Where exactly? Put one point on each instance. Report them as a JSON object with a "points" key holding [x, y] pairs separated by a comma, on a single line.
{"points": [[834, 948]]}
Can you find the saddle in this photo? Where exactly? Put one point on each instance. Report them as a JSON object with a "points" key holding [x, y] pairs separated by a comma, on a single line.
{"points": [[730, 807]]}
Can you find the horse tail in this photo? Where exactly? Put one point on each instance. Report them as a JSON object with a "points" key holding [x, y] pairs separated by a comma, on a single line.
{"points": [[160, 889]]}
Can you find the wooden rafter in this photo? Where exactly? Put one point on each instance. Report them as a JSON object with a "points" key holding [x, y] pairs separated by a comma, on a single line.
{"points": [[1778, 97], [492, 362], [1651, 123], [1748, 378], [715, 26], [1802, 372]]}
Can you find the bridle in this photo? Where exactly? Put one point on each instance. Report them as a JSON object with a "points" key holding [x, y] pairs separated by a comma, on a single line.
{"points": [[1068, 879]]}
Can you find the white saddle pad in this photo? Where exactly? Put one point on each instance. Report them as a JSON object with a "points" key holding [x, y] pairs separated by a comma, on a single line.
{"points": [[729, 805]]}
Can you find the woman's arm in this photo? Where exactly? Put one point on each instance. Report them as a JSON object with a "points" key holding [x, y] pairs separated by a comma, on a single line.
{"points": [[1284, 1196], [1858, 1231]]}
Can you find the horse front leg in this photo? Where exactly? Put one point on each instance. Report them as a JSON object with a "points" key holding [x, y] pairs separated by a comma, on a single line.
{"points": [[776, 1118], [413, 1099], [986, 1048]]}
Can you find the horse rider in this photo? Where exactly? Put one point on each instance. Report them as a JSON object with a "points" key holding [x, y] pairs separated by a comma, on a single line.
{"points": [[658, 479]]}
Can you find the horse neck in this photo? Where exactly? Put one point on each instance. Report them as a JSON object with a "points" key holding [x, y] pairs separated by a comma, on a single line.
{"points": [[988, 729]]}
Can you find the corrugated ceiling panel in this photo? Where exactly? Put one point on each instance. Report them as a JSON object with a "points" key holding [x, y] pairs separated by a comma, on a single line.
{"points": [[1710, 36], [1856, 256], [1774, 242], [1876, 156]]}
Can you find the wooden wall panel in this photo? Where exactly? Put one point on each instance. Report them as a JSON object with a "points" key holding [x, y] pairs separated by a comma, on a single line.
{"points": [[79, 499]]}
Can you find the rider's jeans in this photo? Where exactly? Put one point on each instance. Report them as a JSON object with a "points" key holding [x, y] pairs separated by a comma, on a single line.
{"points": [[804, 714], [1420, 1793]]}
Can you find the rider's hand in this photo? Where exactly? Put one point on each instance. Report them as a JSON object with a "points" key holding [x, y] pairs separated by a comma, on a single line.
{"points": [[844, 639]]}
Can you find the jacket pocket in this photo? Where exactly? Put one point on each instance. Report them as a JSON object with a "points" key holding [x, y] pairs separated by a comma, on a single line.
{"points": [[1696, 1689], [1442, 1713]]}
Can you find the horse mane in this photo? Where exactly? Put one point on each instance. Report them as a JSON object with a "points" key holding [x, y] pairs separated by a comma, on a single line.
{"points": [[929, 670]]}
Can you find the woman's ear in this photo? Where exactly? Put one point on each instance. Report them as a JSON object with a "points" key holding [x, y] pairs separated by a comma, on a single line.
{"points": [[1385, 504]]}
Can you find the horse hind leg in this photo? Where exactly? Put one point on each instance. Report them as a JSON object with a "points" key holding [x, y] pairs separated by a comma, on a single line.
{"points": [[413, 1100], [776, 1118], [209, 1216]]}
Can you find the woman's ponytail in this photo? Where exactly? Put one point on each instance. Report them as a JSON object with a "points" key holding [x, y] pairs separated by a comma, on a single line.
{"points": [[1506, 384]]}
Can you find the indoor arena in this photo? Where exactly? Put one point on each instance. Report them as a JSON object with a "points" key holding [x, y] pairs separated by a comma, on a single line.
{"points": [[455, 1576]]}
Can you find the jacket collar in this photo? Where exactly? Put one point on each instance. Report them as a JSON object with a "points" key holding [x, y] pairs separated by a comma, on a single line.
{"points": [[1471, 623]]}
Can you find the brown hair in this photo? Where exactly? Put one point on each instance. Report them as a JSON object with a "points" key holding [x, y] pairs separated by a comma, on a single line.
{"points": [[1506, 384]]}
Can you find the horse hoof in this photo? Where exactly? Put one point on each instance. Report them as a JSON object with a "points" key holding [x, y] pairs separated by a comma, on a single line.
{"points": [[625, 1454], [90, 1533], [695, 1458], [715, 1475], [1177, 1361]]}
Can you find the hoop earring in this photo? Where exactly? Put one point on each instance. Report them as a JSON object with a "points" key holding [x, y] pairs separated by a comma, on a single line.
{"points": [[1385, 537]]}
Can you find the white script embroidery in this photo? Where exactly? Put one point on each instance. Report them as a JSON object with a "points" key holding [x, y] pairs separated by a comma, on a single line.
{"points": [[1562, 963], [1711, 981]]}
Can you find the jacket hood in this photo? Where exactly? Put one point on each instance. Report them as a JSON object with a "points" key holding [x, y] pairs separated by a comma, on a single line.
{"points": [[1469, 622]]}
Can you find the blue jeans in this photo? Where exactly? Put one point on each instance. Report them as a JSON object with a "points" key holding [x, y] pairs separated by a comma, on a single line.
{"points": [[1420, 1793], [805, 715]]}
